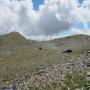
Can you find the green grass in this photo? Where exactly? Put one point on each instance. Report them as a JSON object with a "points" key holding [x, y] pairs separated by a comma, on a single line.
{"points": [[30, 60], [27, 61]]}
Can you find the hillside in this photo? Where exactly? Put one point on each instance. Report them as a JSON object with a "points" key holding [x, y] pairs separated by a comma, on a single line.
{"points": [[77, 43], [20, 57], [12, 38], [72, 41], [12, 43]]}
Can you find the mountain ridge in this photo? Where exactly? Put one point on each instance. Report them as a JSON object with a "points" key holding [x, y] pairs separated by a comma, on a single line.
{"points": [[20, 57], [19, 35], [12, 38]]}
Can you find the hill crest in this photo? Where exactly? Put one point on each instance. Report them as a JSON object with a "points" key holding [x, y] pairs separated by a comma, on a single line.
{"points": [[12, 38]]}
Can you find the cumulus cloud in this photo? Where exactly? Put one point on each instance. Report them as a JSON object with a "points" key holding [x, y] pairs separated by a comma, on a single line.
{"points": [[5, 19], [52, 18], [79, 31]]}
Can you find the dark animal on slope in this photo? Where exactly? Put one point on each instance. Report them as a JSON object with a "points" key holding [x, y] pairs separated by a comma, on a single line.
{"points": [[40, 48], [68, 51]]}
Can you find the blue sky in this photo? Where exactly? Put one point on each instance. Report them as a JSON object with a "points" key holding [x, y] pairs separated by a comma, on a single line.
{"points": [[79, 25], [36, 3], [81, 1]]}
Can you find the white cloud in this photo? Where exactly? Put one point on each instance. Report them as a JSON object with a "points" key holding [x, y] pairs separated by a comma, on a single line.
{"points": [[53, 17], [79, 31]]}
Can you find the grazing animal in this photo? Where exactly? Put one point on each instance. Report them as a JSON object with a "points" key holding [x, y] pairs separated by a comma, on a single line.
{"points": [[40, 48], [68, 51]]}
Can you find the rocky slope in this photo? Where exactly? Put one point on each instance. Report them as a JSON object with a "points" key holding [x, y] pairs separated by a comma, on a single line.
{"points": [[73, 42], [33, 64]]}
